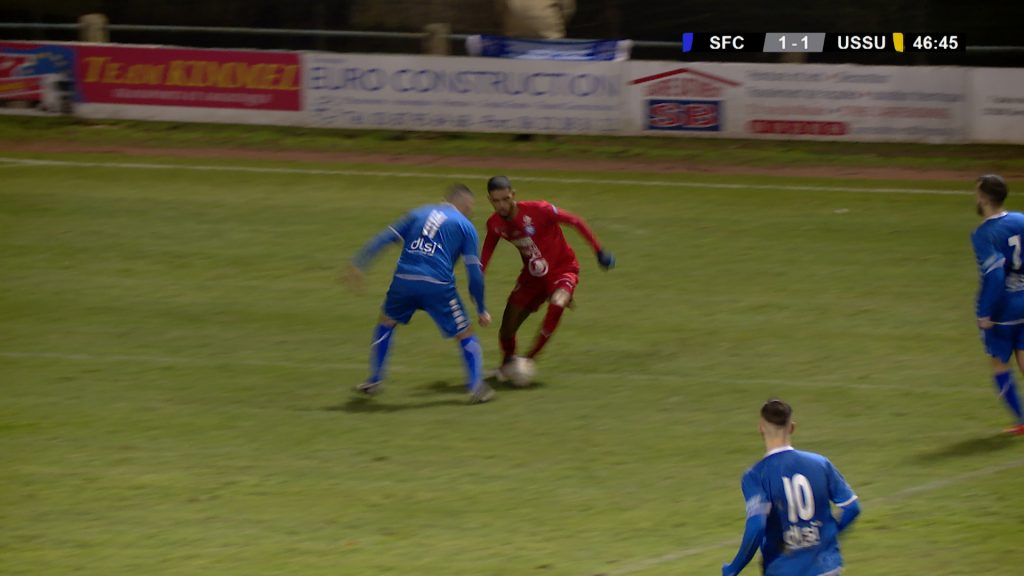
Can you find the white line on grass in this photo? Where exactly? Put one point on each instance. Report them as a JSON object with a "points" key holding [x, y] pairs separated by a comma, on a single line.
{"points": [[943, 483], [771, 382], [666, 558], [234, 360], [180, 361], [901, 495], [448, 176]]}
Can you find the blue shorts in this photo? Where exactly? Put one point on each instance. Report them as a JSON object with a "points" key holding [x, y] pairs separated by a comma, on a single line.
{"points": [[441, 301], [1001, 341]]}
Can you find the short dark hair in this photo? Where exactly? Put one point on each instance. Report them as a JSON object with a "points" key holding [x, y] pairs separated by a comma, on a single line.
{"points": [[498, 183], [993, 187], [776, 412], [458, 190]]}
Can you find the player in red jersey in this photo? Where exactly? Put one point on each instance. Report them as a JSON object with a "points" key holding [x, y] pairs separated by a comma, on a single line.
{"points": [[550, 270]]}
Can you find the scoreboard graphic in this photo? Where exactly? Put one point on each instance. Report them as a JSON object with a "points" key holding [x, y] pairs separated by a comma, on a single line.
{"points": [[782, 42]]}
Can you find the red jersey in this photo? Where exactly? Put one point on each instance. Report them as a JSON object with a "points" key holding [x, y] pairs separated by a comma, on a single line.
{"points": [[535, 231]]}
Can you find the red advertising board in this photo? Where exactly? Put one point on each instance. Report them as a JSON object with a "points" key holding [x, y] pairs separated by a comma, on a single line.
{"points": [[155, 76], [29, 89], [799, 127]]}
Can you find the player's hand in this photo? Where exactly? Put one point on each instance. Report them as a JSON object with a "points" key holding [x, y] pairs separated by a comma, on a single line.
{"points": [[605, 259], [353, 277], [485, 319], [985, 323]]}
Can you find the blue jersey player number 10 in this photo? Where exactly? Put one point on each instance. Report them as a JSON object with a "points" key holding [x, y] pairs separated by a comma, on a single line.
{"points": [[789, 495]]}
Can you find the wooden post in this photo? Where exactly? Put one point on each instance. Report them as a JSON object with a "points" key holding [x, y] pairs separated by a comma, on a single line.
{"points": [[93, 28], [435, 39]]}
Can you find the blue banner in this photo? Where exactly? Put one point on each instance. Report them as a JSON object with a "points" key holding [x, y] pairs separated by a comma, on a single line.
{"points": [[529, 49]]}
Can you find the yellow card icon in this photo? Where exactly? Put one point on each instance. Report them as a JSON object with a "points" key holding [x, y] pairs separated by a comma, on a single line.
{"points": [[897, 41]]}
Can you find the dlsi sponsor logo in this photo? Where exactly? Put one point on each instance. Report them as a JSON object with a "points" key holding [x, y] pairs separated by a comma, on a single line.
{"points": [[797, 538], [423, 245]]}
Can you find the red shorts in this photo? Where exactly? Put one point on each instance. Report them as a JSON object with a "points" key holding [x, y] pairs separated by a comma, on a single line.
{"points": [[531, 292]]}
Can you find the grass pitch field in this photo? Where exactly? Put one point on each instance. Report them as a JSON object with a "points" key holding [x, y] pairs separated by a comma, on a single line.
{"points": [[176, 360]]}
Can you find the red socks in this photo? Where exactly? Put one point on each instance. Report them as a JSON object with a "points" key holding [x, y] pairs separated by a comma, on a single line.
{"points": [[551, 320]]}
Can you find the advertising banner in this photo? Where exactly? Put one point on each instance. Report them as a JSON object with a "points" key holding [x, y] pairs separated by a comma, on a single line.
{"points": [[462, 94], [155, 76], [36, 73], [529, 49], [833, 102], [997, 105], [29, 88]]}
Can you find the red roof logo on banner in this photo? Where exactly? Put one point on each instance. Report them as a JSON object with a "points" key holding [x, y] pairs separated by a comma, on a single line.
{"points": [[684, 83]]}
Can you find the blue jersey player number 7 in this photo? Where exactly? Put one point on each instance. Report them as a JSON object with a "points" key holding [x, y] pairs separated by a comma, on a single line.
{"points": [[997, 244]]}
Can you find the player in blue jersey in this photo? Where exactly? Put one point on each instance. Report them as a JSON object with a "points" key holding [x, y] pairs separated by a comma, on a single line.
{"points": [[789, 496], [1000, 305], [433, 237]]}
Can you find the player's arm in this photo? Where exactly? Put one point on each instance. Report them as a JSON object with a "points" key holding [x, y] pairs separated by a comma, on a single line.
{"points": [[490, 242], [842, 496], [848, 514], [474, 271], [758, 507], [390, 235], [604, 258], [993, 277]]}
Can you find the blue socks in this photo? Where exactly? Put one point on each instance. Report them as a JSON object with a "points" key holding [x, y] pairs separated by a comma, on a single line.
{"points": [[473, 356], [1008, 392], [379, 351]]}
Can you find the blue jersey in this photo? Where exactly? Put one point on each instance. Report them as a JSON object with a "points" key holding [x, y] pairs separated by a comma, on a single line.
{"points": [[796, 489], [997, 247], [433, 238]]}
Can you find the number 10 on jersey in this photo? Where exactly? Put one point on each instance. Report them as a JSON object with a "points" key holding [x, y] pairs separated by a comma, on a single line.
{"points": [[800, 506]]}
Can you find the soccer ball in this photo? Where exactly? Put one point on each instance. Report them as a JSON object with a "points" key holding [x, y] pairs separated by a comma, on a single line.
{"points": [[521, 371]]}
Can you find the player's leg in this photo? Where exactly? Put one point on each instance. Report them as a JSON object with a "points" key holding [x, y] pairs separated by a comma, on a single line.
{"points": [[564, 285], [1000, 345], [380, 347], [398, 308], [1006, 387], [473, 357], [445, 307], [1009, 391], [526, 297], [511, 320]]}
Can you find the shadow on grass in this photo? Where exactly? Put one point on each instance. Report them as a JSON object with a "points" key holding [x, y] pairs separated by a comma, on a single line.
{"points": [[361, 405], [442, 387], [970, 447], [366, 405], [508, 386]]}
